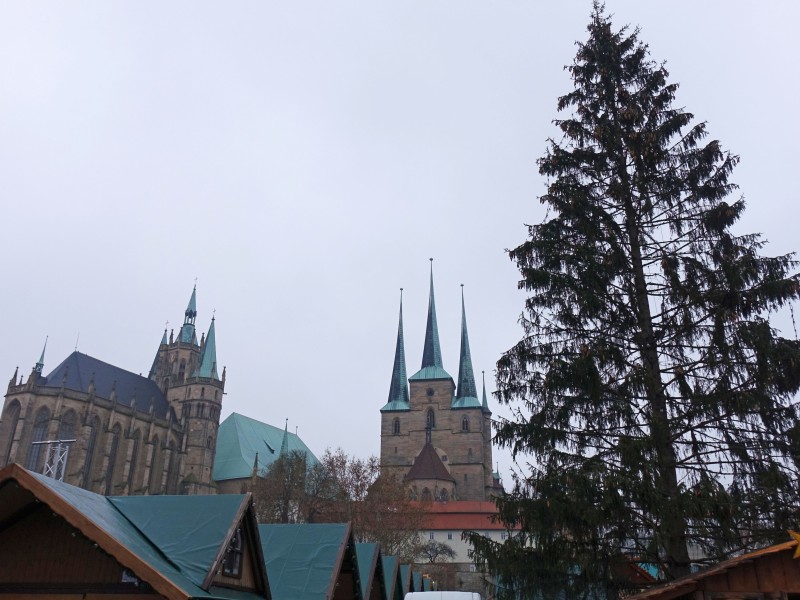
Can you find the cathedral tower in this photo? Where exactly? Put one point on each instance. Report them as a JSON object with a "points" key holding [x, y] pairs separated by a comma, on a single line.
{"points": [[188, 375], [435, 435]]}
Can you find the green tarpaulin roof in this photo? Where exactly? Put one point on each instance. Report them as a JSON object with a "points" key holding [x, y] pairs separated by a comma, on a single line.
{"points": [[390, 576], [178, 536], [367, 557], [303, 560], [240, 438]]}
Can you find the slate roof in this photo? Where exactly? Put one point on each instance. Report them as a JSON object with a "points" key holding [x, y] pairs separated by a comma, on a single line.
{"points": [[172, 542], [240, 438], [77, 370], [428, 465]]}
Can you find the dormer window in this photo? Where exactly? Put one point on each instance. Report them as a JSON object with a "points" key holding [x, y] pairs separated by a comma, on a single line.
{"points": [[232, 562]]}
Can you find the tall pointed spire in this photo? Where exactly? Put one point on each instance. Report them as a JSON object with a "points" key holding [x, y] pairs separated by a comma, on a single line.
{"points": [[40, 364], [208, 358], [466, 378], [398, 390], [485, 404], [187, 334], [432, 352], [285, 443], [154, 367]]}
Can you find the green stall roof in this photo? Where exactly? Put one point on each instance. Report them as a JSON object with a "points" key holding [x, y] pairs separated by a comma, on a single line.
{"points": [[179, 537], [370, 568], [304, 560], [241, 438], [390, 576]]}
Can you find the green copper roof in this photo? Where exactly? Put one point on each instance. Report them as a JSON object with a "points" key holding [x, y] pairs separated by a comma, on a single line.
{"points": [[208, 358], [466, 378], [432, 353], [430, 373], [398, 390], [241, 438], [155, 360]]}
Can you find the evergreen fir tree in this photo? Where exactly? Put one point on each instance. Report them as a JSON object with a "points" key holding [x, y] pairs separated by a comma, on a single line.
{"points": [[650, 390]]}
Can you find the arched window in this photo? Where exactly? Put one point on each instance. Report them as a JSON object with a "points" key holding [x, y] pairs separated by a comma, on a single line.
{"points": [[430, 419], [202, 392], [443, 495], [156, 470], [10, 420], [465, 423], [209, 442], [426, 495], [469, 453], [39, 433], [181, 370], [134, 457], [396, 427], [90, 448], [172, 471], [66, 429], [116, 433]]}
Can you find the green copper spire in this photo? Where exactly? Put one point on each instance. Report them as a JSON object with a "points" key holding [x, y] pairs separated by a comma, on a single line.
{"points": [[485, 406], [398, 390], [40, 365], [285, 443], [432, 352], [187, 333], [208, 358], [466, 378]]}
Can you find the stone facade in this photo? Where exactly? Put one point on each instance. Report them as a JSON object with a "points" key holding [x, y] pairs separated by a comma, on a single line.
{"points": [[120, 433], [428, 411]]}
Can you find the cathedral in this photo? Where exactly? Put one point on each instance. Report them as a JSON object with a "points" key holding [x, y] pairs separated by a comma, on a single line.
{"points": [[114, 432], [436, 436]]}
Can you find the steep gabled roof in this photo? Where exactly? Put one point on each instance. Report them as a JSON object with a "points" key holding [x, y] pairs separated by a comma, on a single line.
{"points": [[77, 370], [241, 438], [391, 577], [176, 556], [370, 569], [305, 560], [208, 357], [428, 465]]}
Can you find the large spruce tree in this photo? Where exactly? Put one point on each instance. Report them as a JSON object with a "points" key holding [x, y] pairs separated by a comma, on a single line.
{"points": [[652, 394]]}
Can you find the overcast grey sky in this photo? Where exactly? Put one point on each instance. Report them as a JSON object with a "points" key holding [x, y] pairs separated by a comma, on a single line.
{"points": [[304, 159]]}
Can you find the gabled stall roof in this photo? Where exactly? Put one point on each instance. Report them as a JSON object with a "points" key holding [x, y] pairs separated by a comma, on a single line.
{"points": [[176, 555], [391, 577], [305, 560], [405, 579], [370, 570]]}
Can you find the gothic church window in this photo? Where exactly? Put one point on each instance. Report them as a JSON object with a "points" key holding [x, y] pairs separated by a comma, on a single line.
{"points": [[154, 485], [39, 433], [116, 432], [465, 423], [396, 427], [430, 419], [134, 457], [90, 447], [10, 421], [181, 370]]}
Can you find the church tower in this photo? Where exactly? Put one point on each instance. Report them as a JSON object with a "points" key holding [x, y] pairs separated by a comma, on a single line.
{"points": [[436, 436], [188, 375]]}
